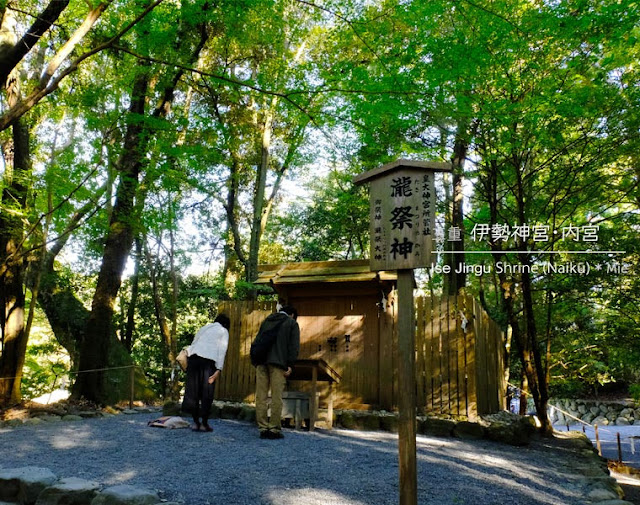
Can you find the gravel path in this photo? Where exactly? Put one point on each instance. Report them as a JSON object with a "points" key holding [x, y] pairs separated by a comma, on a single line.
{"points": [[232, 465]]}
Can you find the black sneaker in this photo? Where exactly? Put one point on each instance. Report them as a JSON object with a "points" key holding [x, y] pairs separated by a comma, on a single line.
{"points": [[274, 435], [265, 434]]}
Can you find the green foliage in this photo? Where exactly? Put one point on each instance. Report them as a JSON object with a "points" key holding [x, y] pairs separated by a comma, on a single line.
{"points": [[46, 362], [335, 225], [634, 391]]}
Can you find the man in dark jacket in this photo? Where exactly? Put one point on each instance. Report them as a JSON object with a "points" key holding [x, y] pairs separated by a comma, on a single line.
{"points": [[273, 374]]}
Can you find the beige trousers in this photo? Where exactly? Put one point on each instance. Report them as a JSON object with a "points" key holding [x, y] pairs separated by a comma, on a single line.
{"points": [[268, 376]]}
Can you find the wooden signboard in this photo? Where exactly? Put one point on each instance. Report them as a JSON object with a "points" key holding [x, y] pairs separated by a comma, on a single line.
{"points": [[402, 211], [402, 200]]}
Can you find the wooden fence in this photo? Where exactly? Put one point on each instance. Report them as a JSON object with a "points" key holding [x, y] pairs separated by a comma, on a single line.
{"points": [[459, 353]]}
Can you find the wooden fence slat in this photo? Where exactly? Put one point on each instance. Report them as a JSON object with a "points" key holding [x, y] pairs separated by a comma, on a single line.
{"points": [[481, 357], [445, 354], [429, 354], [385, 329], [502, 405], [437, 368], [420, 358], [460, 349], [470, 359], [453, 356], [394, 354], [221, 387]]}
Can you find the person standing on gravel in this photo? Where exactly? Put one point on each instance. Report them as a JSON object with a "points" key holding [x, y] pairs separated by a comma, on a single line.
{"points": [[283, 333], [206, 359]]}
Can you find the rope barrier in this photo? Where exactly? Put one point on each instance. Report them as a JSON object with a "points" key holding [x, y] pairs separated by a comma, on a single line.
{"points": [[84, 371], [168, 369]]}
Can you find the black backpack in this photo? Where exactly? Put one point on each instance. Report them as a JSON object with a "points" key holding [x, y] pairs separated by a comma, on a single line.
{"points": [[263, 343]]}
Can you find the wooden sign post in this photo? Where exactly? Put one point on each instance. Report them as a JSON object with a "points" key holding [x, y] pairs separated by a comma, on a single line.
{"points": [[402, 200]]}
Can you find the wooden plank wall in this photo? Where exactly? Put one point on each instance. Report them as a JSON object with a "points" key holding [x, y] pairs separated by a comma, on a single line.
{"points": [[459, 358], [461, 349], [238, 378]]}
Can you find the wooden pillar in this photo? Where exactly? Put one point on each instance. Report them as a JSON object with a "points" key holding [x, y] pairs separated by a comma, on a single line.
{"points": [[313, 401], [407, 391], [330, 406]]}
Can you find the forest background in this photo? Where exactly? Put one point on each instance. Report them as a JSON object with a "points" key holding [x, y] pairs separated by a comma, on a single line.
{"points": [[153, 154]]}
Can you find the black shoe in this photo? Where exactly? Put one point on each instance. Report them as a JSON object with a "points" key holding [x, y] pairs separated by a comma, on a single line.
{"points": [[275, 435], [265, 434]]}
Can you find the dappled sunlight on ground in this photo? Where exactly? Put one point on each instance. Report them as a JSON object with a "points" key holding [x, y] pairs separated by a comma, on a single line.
{"points": [[310, 496], [122, 477]]}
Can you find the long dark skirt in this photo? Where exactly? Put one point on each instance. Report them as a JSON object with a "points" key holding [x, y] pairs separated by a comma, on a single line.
{"points": [[198, 395]]}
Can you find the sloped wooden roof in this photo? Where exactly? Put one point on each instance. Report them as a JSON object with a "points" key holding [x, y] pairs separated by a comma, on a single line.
{"points": [[436, 166], [352, 271]]}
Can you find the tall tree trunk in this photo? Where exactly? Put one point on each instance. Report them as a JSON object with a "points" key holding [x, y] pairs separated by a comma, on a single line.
{"points": [[12, 297], [127, 337], [259, 195], [531, 353], [457, 277], [94, 349]]}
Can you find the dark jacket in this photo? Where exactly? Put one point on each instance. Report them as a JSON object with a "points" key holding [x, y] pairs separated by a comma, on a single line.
{"points": [[284, 352]]}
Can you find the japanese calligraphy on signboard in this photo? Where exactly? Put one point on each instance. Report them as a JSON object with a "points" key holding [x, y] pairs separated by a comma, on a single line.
{"points": [[402, 200], [402, 220]]}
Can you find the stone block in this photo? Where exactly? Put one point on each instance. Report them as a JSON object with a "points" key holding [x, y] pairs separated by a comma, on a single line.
{"points": [[24, 484], [32, 421], [509, 433], [438, 427], [72, 417], [347, 420], [230, 411], [389, 422], [601, 421], [622, 421], [125, 495], [247, 413], [50, 418], [85, 414], [69, 491], [468, 430], [368, 422], [214, 413], [171, 409], [600, 494]]}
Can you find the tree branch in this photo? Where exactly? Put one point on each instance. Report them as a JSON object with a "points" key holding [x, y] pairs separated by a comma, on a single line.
{"points": [[39, 92], [42, 23]]}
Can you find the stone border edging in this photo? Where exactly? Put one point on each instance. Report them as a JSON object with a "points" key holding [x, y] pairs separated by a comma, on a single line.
{"points": [[32, 485]]}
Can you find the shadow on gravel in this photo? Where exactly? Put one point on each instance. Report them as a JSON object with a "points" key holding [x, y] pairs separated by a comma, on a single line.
{"points": [[232, 465]]}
